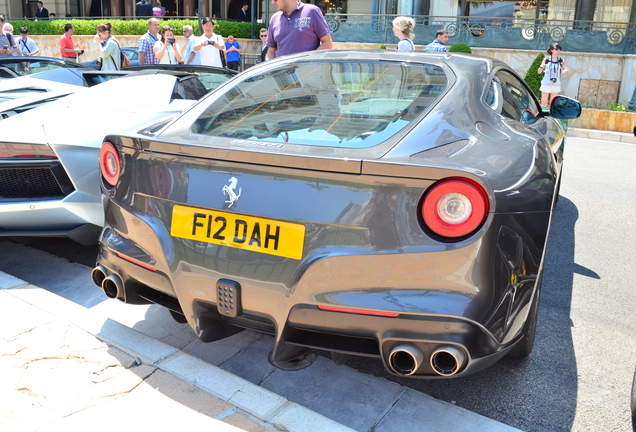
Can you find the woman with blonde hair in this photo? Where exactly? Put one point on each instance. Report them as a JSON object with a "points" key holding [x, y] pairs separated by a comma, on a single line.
{"points": [[166, 49], [110, 51], [403, 29]]}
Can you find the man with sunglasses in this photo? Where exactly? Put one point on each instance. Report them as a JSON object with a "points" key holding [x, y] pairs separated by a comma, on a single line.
{"points": [[190, 56], [263, 35], [296, 27]]}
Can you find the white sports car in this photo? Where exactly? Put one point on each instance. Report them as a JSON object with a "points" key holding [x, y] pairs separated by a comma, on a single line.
{"points": [[49, 170]]}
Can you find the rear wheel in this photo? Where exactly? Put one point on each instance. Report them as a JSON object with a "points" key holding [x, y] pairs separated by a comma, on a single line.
{"points": [[525, 345], [557, 192]]}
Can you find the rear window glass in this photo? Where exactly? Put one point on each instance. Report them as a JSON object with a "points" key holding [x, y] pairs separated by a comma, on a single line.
{"points": [[189, 88], [30, 68], [340, 104]]}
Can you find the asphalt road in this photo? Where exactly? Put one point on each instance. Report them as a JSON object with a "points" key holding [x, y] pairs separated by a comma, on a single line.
{"points": [[579, 375]]}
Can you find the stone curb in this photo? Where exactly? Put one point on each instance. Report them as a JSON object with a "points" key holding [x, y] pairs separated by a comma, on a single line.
{"points": [[258, 402], [602, 135]]}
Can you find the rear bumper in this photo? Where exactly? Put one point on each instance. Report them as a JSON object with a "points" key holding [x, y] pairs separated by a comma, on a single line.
{"points": [[76, 215], [296, 324]]}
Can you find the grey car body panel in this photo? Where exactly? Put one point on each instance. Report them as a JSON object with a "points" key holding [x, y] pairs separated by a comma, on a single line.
{"points": [[365, 246]]}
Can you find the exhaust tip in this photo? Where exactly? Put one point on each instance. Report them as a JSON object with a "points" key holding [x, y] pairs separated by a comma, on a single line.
{"points": [[405, 359], [447, 360], [112, 286], [98, 275]]}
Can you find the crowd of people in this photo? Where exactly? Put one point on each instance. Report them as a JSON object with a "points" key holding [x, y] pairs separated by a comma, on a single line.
{"points": [[308, 32]]}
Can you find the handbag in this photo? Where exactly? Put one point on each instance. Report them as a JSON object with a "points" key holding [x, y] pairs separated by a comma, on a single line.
{"points": [[124, 61]]}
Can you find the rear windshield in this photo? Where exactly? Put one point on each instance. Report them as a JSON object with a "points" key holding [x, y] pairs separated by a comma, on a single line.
{"points": [[328, 103], [29, 68]]}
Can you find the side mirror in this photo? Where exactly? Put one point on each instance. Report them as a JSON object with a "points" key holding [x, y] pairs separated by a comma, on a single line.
{"points": [[563, 107]]}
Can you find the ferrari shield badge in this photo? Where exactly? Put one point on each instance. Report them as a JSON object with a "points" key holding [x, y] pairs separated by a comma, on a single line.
{"points": [[230, 191]]}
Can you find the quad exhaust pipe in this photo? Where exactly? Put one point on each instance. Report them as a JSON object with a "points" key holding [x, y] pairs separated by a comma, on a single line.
{"points": [[111, 285], [98, 275], [447, 360], [405, 359]]}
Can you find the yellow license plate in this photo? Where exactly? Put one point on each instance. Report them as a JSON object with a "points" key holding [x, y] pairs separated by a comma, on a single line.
{"points": [[239, 231]]}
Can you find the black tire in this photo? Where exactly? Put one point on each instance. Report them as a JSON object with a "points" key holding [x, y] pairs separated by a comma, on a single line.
{"points": [[523, 348], [634, 400], [557, 192]]}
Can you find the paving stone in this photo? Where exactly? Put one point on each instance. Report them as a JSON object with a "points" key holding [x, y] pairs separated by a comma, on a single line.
{"points": [[353, 399], [13, 311], [414, 406]]}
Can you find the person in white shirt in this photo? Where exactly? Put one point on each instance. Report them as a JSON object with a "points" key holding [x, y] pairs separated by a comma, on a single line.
{"points": [[210, 45], [166, 49], [26, 45]]}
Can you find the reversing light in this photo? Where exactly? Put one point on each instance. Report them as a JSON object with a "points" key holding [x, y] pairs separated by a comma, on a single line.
{"points": [[454, 207], [109, 163]]}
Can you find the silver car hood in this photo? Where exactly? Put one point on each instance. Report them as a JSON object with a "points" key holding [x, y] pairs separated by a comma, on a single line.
{"points": [[84, 118], [27, 82]]}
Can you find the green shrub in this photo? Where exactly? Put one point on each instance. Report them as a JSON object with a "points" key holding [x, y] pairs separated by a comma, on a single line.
{"points": [[460, 47], [133, 27], [532, 78], [381, 46], [614, 107]]}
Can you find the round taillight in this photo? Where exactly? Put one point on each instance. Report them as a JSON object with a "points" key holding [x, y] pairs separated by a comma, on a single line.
{"points": [[454, 207], [109, 163]]}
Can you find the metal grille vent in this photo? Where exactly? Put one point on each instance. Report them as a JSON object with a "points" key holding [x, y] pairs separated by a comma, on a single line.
{"points": [[28, 183]]}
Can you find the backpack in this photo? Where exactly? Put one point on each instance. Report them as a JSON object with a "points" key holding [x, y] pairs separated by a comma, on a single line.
{"points": [[10, 39]]}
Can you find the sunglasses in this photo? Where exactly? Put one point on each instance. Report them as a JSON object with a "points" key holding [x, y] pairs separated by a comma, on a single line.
{"points": [[263, 35]]}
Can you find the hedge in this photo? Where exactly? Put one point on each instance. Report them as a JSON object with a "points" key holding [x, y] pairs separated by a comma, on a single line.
{"points": [[132, 27], [461, 48]]}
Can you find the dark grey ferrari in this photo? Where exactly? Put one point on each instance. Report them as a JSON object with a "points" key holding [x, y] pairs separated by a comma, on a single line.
{"points": [[375, 203]]}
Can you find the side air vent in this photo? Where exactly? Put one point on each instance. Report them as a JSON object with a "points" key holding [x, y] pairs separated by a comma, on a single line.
{"points": [[446, 150]]}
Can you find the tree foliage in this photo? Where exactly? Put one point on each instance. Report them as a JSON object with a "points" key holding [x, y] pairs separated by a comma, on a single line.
{"points": [[133, 27], [532, 78]]}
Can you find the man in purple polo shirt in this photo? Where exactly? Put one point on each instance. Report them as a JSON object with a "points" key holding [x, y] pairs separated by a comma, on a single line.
{"points": [[296, 27]]}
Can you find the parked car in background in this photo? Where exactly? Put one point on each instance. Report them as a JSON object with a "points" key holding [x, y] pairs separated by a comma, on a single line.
{"points": [[131, 53], [58, 79], [211, 77], [393, 205], [49, 155], [12, 67]]}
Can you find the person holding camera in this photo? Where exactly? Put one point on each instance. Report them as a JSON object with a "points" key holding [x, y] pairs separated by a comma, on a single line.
{"points": [[166, 48], [109, 50], [210, 45], [233, 51], [554, 68]]}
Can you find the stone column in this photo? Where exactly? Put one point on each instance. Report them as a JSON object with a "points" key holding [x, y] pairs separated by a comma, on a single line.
{"points": [[115, 8], [584, 10], [129, 8], [189, 7]]}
